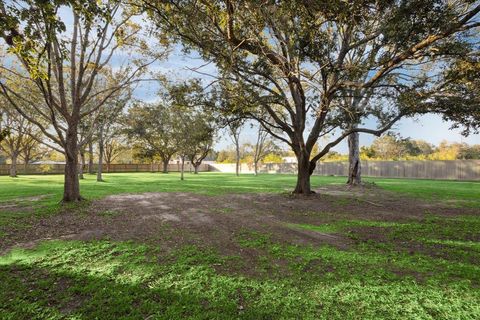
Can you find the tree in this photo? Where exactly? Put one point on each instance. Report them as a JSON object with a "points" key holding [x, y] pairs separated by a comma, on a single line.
{"points": [[234, 129], [389, 147], [201, 135], [455, 95], [226, 156], [108, 128], [32, 150], [469, 152], [90, 157], [194, 125], [66, 66], [21, 134], [263, 147], [393, 147], [291, 56], [85, 136], [3, 131], [150, 127], [113, 149]]}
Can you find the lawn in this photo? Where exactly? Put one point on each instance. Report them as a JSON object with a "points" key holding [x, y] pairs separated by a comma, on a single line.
{"points": [[216, 246], [51, 186]]}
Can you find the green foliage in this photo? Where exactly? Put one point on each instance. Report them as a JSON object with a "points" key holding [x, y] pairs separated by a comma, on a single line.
{"points": [[456, 96], [177, 124], [273, 158], [393, 147], [271, 153]]}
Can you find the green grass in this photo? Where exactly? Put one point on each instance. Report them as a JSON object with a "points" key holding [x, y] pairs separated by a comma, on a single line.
{"points": [[460, 192], [51, 186], [125, 280], [371, 279]]}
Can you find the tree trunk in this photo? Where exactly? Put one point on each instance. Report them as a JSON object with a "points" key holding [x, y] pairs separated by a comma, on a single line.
{"points": [[182, 168], [71, 191], [303, 174], [354, 166], [196, 166], [13, 166], [82, 164], [255, 168], [237, 164], [25, 167], [90, 157], [100, 155], [165, 165], [108, 165]]}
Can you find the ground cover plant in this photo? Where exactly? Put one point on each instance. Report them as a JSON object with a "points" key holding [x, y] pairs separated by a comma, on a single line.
{"points": [[216, 246]]}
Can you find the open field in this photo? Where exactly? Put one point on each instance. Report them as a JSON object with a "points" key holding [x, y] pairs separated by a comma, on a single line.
{"points": [[216, 246]]}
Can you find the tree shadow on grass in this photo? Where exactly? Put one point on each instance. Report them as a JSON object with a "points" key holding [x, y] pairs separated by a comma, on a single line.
{"points": [[101, 280], [30, 292], [127, 280]]}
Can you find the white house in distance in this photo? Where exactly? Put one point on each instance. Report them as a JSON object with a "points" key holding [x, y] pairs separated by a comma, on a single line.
{"points": [[289, 159]]}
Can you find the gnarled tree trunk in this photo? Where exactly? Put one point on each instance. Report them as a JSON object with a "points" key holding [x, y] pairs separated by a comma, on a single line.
{"points": [[303, 174], [71, 191], [354, 164], [196, 166]]}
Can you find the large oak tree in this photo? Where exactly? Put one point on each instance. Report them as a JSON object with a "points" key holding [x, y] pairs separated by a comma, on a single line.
{"points": [[297, 56]]}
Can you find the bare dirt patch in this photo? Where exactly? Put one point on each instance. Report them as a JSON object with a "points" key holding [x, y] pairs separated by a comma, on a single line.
{"points": [[21, 203], [175, 219]]}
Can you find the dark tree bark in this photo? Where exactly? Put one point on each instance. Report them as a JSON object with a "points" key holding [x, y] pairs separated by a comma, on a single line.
{"points": [[354, 164], [196, 166], [71, 191], [165, 165], [90, 157], [182, 167], [13, 166], [304, 172], [82, 165]]}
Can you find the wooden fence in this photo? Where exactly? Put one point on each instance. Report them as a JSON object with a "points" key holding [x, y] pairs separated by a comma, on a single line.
{"points": [[60, 168], [450, 170]]}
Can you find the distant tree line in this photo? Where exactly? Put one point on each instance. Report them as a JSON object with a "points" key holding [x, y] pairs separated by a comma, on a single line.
{"points": [[394, 147]]}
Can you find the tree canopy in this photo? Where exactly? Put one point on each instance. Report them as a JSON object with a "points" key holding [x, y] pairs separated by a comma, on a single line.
{"points": [[298, 59]]}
